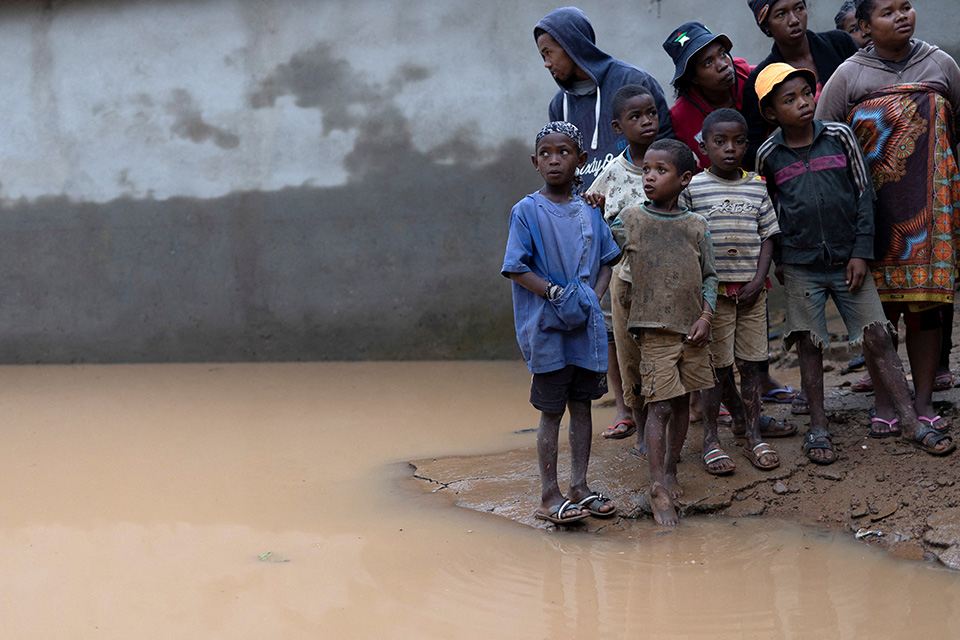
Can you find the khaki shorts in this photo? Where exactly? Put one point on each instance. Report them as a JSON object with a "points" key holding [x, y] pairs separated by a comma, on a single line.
{"points": [[669, 367], [739, 333], [628, 350]]}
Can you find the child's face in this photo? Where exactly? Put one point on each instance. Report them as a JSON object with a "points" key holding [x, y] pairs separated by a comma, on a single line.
{"points": [[724, 144], [851, 26], [713, 68], [891, 23], [557, 159], [791, 103], [661, 180], [788, 21], [556, 60], [639, 121]]}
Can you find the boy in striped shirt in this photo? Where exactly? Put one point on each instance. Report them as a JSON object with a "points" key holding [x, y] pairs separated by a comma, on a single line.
{"points": [[742, 224]]}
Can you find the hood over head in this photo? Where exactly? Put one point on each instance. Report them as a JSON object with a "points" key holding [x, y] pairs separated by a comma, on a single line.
{"points": [[572, 30]]}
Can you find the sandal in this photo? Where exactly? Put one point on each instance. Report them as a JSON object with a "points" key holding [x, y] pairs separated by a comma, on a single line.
{"points": [[819, 439], [863, 385], [770, 427], [919, 440], [611, 433], [724, 419], [943, 428], [892, 433], [799, 407], [943, 382], [779, 396], [599, 500], [713, 456], [757, 452], [640, 452], [555, 515]]}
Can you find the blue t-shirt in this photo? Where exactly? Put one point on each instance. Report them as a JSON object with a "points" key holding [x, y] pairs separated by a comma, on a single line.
{"points": [[565, 244]]}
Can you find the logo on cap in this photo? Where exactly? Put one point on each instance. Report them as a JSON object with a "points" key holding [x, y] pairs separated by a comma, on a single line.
{"points": [[682, 38]]}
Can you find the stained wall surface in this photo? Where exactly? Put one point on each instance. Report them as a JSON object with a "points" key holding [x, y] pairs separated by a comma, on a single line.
{"points": [[221, 180]]}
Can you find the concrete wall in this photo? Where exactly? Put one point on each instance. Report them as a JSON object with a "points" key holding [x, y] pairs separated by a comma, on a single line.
{"points": [[285, 179]]}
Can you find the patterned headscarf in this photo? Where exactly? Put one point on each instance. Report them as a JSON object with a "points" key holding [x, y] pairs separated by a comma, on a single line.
{"points": [[567, 129]]}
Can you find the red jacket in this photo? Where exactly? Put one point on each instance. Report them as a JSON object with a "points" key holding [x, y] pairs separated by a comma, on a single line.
{"points": [[688, 112]]}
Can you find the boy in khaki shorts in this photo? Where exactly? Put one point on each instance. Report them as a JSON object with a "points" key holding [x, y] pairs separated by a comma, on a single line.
{"points": [[742, 225], [672, 302]]}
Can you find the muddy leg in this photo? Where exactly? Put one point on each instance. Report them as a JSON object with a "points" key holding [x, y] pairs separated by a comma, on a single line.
{"points": [[811, 375], [751, 381], [661, 502], [711, 437], [547, 436], [677, 427]]}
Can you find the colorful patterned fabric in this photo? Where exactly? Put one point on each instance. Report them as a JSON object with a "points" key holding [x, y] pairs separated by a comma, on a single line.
{"points": [[906, 133]]}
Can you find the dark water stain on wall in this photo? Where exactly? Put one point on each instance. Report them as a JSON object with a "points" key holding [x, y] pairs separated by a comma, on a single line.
{"points": [[402, 263]]}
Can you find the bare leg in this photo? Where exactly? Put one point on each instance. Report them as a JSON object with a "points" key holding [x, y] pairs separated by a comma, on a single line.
{"points": [[547, 436], [751, 381], [711, 437], [923, 351], [889, 379], [676, 436], [811, 375], [615, 382], [581, 435], [661, 502]]}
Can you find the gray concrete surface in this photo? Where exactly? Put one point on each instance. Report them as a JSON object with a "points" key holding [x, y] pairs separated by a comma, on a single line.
{"points": [[223, 180]]}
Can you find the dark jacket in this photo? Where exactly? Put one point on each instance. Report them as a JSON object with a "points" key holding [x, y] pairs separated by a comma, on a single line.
{"points": [[572, 30], [829, 50], [824, 206]]}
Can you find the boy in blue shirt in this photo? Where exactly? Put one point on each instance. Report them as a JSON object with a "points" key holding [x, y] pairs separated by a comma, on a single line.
{"points": [[559, 255], [823, 195]]}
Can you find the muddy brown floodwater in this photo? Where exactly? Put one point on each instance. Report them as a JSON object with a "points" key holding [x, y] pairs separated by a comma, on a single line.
{"points": [[275, 501]]}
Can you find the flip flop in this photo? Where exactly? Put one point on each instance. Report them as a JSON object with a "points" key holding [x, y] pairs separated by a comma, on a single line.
{"points": [[639, 453], [943, 428], [943, 382], [930, 447], [863, 385], [819, 439], [774, 396], [716, 455], [600, 500], [757, 452], [610, 434], [893, 433], [555, 515], [724, 419]]}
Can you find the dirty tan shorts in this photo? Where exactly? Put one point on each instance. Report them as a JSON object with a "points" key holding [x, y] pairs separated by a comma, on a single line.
{"points": [[669, 367], [739, 333], [628, 350]]}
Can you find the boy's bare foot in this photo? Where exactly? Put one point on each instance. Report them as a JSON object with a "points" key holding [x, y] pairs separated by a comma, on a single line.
{"points": [[676, 491], [662, 505]]}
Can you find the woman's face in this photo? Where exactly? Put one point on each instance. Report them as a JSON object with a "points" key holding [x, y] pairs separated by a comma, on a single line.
{"points": [[787, 21], [892, 23]]}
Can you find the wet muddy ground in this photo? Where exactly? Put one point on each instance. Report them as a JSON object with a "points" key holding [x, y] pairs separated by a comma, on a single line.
{"points": [[882, 491]]}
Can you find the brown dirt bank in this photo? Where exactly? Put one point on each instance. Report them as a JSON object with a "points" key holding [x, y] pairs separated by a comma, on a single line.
{"points": [[891, 493]]}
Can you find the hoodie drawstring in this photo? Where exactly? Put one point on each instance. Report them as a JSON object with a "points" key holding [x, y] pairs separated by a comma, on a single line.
{"points": [[596, 118]]}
